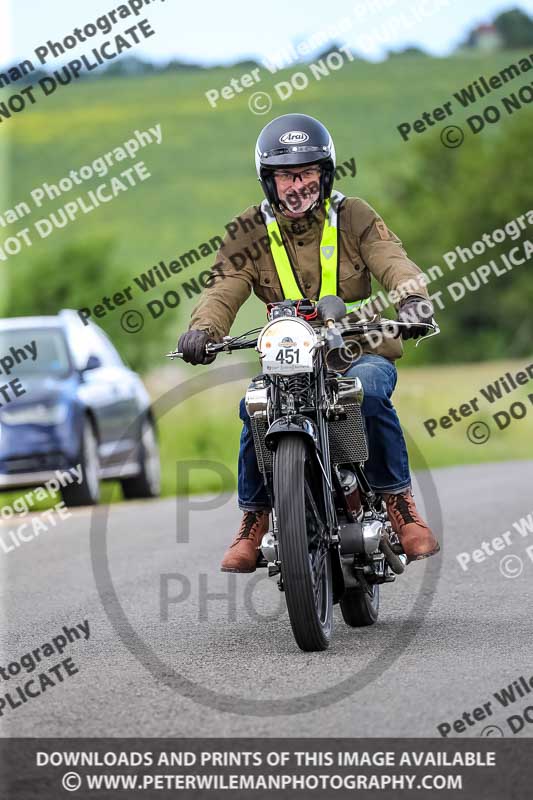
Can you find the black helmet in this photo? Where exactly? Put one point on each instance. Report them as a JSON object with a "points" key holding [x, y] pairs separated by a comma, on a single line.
{"points": [[290, 141]]}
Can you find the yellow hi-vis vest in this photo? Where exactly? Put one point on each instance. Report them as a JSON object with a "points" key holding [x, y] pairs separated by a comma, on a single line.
{"points": [[329, 253]]}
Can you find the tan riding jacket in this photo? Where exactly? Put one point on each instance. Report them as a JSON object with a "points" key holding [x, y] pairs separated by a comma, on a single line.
{"points": [[367, 247]]}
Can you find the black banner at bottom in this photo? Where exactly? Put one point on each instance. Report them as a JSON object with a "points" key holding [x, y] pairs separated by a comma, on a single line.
{"points": [[259, 768]]}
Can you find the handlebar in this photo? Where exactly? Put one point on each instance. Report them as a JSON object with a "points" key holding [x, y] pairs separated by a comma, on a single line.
{"points": [[231, 343]]}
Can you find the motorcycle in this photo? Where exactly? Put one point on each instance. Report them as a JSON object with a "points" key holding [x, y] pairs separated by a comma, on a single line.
{"points": [[331, 540]]}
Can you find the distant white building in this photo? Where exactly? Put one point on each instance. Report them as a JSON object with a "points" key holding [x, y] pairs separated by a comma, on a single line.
{"points": [[486, 38]]}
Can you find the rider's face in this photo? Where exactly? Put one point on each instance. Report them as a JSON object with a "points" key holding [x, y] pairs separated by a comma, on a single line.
{"points": [[298, 187]]}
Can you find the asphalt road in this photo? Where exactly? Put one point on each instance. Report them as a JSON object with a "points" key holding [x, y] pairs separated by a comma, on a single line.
{"points": [[446, 639]]}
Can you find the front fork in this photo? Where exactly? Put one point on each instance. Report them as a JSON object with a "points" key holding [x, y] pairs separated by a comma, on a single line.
{"points": [[317, 435]]}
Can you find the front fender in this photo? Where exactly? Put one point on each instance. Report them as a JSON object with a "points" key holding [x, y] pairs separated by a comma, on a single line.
{"points": [[298, 424]]}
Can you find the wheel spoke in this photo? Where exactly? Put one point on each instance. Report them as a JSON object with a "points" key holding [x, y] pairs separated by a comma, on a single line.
{"points": [[318, 563], [318, 548], [320, 528]]}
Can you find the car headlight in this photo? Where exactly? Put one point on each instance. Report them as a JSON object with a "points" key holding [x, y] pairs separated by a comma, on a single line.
{"points": [[38, 414]]}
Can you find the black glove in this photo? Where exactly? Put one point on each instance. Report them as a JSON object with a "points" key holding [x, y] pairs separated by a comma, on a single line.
{"points": [[415, 310], [192, 345]]}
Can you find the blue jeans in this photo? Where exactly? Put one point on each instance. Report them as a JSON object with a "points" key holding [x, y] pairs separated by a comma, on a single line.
{"points": [[387, 468]]}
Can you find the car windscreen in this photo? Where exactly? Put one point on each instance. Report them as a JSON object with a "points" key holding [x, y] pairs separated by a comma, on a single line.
{"points": [[33, 351]]}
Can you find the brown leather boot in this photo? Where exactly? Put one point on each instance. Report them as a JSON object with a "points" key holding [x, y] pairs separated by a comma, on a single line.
{"points": [[415, 536], [241, 555]]}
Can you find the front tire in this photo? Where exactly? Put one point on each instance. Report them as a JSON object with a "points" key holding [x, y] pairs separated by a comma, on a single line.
{"points": [[305, 558], [86, 493], [359, 608], [148, 482]]}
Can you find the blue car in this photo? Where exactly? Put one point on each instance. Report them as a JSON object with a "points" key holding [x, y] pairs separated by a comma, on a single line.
{"points": [[67, 400]]}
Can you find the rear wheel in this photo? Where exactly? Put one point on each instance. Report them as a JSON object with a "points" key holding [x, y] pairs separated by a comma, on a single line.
{"points": [[359, 608], [86, 493], [304, 553]]}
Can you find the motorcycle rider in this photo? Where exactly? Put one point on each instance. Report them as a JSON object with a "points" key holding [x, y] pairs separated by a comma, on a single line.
{"points": [[282, 249]]}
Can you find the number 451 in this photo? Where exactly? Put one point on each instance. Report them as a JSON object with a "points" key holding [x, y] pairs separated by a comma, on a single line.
{"points": [[289, 356]]}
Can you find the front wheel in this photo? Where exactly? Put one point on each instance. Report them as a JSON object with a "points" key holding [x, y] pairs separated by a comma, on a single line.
{"points": [[148, 482], [86, 493], [304, 552]]}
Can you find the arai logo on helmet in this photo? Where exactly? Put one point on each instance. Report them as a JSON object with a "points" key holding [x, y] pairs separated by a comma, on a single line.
{"points": [[294, 137]]}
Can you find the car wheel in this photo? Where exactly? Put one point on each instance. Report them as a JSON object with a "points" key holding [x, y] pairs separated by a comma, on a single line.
{"points": [[86, 493], [148, 482]]}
